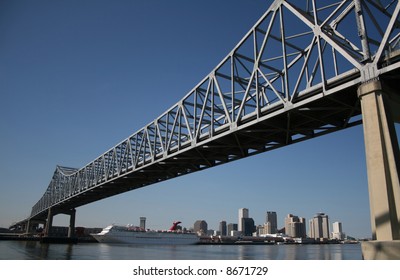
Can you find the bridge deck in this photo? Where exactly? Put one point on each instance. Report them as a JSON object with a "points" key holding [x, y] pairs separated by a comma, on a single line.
{"points": [[277, 87]]}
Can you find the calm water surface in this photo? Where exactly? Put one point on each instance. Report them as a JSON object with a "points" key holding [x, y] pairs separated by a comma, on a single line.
{"points": [[32, 250]]}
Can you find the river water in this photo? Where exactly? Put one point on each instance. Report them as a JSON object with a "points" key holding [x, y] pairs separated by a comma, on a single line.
{"points": [[33, 250]]}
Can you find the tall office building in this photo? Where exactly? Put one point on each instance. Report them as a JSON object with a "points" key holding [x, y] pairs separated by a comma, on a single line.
{"points": [[337, 232], [222, 228], [272, 222], [243, 213], [295, 226], [319, 226], [232, 228], [143, 222], [248, 226], [200, 226]]}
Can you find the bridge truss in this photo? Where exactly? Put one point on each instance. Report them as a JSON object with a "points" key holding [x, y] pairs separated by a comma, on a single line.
{"points": [[292, 77]]}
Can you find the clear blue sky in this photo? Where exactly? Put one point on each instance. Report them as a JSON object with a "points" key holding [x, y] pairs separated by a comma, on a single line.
{"points": [[78, 77]]}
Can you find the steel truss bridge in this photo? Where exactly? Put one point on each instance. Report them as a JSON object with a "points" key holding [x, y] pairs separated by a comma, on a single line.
{"points": [[293, 76]]}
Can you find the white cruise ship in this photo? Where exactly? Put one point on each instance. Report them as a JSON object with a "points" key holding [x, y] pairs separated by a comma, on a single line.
{"points": [[136, 235]]}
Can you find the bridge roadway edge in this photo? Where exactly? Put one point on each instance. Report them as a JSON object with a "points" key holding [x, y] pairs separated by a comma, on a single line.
{"points": [[301, 118]]}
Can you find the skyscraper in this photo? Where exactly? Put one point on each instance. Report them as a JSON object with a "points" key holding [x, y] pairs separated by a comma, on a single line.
{"points": [[222, 228], [200, 226], [271, 218], [337, 232], [248, 226], [319, 226], [243, 213], [143, 222], [295, 226], [232, 227]]}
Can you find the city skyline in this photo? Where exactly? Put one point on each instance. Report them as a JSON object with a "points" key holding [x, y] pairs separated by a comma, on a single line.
{"points": [[77, 78], [295, 226]]}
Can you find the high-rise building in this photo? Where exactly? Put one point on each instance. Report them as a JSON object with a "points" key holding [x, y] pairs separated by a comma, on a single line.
{"points": [[222, 228], [337, 232], [232, 228], [295, 226], [319, 226], [201, 227], [265, 229], [248, 226], [243, 213], [272, 220], [143, 222]]}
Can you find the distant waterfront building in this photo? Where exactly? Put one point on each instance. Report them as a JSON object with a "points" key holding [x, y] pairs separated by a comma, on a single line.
{"points": [[216, 233], [243, 213], [319, 226], [337, 232], [211, 232], [222, 228], [143, 222], [262, 230], [201, 227], [272, 222], [235, 233], [232, 228], [248, 226], [295, 226]]}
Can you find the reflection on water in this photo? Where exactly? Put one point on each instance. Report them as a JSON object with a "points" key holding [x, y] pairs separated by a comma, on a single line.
{"points": [[36, 250], [32, 250]]}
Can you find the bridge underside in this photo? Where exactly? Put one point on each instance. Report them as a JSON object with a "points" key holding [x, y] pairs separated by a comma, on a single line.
{"points": [[338, 110], [321, 116], [317, 116], [279, 86]]}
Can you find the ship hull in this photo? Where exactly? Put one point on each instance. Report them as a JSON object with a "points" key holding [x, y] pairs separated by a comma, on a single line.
{"points": [[170, 238]]}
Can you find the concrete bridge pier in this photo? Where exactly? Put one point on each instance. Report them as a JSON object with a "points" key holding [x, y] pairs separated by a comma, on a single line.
{"points": [[49, 222], [71, 228], [383, 165], [25, 227], [31, 226], [51, 213], [28, 227]]}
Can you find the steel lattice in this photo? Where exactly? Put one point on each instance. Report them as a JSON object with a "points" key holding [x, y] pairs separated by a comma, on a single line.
{"points": [[293, 76]]}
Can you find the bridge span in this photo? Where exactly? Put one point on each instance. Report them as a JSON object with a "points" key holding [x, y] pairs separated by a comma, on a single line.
{"points": [[305, 69]]}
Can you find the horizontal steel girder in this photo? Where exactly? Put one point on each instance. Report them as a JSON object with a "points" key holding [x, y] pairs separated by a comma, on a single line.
{"points": [[292, 77]]}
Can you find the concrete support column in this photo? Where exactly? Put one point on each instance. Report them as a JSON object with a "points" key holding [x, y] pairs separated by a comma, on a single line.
{"points": [[49, 222], [71, 229], [28, 225], [383, 161]]}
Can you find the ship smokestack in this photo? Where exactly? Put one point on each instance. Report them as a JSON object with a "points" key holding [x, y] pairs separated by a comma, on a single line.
{"points": [[174, 225]]}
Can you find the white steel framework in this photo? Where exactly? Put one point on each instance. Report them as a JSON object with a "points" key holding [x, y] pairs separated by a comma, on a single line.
{"points": [[292, 77]]}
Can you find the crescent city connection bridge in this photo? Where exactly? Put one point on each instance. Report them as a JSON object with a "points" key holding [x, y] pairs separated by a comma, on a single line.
{"points": [[305, 69]]}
